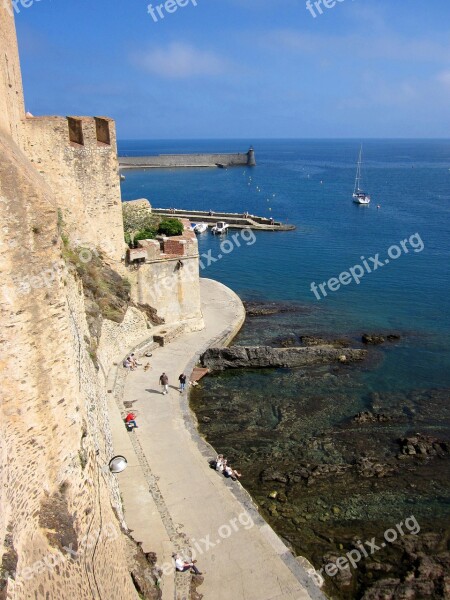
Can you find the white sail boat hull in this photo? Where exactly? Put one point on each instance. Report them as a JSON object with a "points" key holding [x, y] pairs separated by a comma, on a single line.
{"points": [[360, 197]]}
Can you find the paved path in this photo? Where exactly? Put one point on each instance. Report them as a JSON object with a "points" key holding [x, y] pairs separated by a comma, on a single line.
{"points": [[198, 507]]}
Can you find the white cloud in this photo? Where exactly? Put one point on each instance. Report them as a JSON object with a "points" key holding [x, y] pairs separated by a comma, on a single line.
{"points": [[179, 61], [444, 79], [365, 45]]}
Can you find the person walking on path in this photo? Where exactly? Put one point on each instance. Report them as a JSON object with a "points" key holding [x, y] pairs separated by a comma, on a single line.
{"points": [[164, 381], [182, 380]]}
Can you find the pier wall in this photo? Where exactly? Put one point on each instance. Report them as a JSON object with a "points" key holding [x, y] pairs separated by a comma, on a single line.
{"points": [[188, 160]]}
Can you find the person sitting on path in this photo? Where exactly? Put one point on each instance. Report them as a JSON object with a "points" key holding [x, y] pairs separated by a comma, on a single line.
{"points": [[128, 364], [182, 565], [182, 380], [164, 381], [219, 462], [130, 420], [231, 473], [133, 361]]}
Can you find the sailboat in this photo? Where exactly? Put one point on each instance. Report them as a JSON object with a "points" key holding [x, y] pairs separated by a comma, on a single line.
{"points": [[359, 196]]}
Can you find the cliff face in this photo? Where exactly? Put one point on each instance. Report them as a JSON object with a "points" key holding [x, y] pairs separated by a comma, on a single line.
{"points": [[59, 531]]}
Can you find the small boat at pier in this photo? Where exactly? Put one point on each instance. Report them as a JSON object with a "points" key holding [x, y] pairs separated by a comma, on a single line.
{"points": [[219, 228], [199, 227]]}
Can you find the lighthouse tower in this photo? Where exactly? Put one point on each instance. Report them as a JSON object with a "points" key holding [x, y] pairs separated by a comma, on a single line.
{"points": [[251, 161]]}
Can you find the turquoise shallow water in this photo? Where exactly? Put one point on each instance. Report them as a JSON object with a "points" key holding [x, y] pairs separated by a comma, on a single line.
{"points": [[309, 183]]}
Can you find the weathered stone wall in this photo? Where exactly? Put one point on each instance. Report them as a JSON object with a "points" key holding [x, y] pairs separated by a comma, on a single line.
{"points": [[117, 338], [55, 491], [12, 110], [82, 170], [173, 291], [84, 178]]}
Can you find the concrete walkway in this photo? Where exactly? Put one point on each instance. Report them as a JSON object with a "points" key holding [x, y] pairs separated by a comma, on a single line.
{"points": [[192, 505]]}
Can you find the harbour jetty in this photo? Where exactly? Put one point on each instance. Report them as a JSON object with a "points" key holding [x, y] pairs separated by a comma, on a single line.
{"points": [[174, 161], [234, 220]]}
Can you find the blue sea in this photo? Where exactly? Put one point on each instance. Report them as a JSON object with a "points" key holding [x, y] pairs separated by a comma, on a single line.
{"points": [[290, 418], [309, 183]]}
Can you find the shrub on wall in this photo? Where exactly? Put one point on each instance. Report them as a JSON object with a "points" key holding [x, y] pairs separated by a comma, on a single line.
{"points": [[170, 227], [138, 222]]}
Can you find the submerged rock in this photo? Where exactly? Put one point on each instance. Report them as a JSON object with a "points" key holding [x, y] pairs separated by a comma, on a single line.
{"points": [[370, 417], [377, 339], [261, 309], [421, 445], [219, 359], [369, 467], [271, 474], [312, 340]]}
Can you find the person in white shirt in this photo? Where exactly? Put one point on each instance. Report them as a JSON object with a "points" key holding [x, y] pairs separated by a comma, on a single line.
{"points": [[232, 473], [220, 462], [182, 566]]}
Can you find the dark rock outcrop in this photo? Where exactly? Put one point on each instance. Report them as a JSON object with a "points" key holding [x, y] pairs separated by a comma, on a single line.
{"points": [[369, 467], [370, 417], [312, 340], [262, 309], [374, 339], [422, 446], [219, 359]]}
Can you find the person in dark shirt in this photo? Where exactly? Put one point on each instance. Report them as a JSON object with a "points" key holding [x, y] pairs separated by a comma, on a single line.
{"points": [[182, 380], [164, 381]]}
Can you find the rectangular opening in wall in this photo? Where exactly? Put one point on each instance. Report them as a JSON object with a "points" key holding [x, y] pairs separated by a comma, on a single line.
{"points": [[75, 131], [102, 129]]}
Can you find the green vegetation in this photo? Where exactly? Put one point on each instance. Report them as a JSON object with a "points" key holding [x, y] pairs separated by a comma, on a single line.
{"points": [[107, 293], [140, 224], [171, 227]]}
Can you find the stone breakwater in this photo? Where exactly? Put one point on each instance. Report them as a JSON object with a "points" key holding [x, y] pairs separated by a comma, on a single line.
{"points": [[172, 161], [234, 357]]}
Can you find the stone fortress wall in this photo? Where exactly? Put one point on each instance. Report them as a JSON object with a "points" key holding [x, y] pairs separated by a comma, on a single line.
{"points": [[12, 108], [56, 491], [57, 495], [165, 275], [77, 157]]}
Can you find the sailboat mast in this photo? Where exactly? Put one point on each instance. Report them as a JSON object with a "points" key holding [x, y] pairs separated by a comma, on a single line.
{"points": [[358, 171]]}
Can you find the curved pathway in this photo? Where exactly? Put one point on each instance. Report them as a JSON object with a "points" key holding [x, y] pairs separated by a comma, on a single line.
{"points": [[239, 553]]}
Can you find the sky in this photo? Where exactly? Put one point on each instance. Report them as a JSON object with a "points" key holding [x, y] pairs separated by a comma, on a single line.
{"points": [[242, 68]]}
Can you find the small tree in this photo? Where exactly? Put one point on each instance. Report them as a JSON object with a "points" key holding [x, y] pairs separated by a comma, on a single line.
{"points": [[171, 227], [138, 219]]}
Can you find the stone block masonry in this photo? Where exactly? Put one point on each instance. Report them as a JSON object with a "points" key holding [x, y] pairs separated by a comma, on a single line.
{"points": [[165, 274], [77, 157], [61, 517], [54, 431]]}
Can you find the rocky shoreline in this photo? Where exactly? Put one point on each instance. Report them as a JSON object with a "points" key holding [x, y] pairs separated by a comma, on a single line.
{"points": [[328, 470], [262, 357]]}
